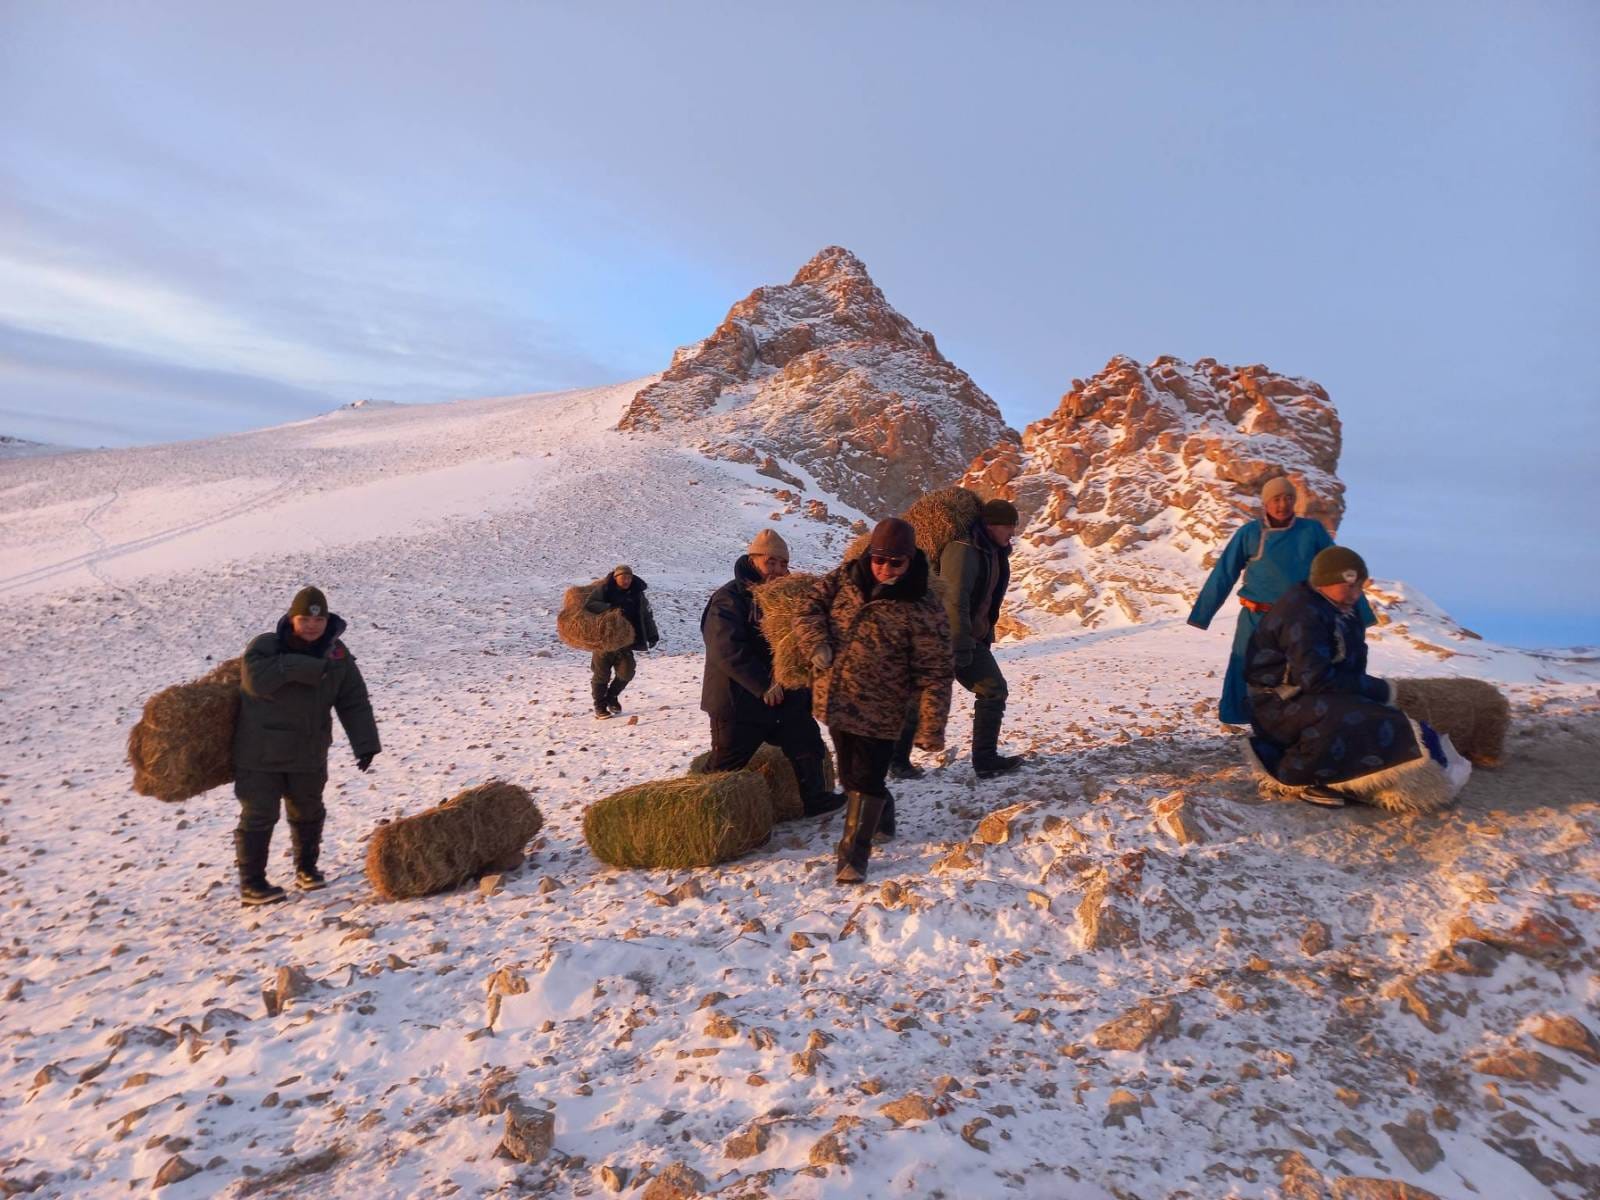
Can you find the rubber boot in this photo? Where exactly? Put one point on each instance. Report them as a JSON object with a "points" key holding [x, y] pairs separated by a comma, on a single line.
{"points": [[987, 761], [307, 837], [900, 766], [861, 816], [250, 848], [885, 830], [815, 798]]}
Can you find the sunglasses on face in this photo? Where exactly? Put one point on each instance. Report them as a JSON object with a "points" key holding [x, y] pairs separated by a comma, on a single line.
{"points": [[890, 560]]}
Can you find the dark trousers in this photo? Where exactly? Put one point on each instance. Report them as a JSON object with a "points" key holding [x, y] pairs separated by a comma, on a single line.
{"points": [[260, 791], [981, 676], [792, 730], [602, 666], [863, 762]]}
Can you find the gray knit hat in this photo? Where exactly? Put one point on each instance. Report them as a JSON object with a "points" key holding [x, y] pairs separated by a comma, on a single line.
{"points": [[1337, 564]]}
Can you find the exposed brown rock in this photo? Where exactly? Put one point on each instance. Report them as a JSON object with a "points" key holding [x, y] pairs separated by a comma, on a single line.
{"points": [[1144, 1023], [1567, 1033]]}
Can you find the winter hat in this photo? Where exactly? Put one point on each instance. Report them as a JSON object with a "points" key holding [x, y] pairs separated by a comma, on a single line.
{"points": [[622, 569], [768, 542], [999, 512], [1279, 485], [309, 602], [893, 538], [1337, 564]]}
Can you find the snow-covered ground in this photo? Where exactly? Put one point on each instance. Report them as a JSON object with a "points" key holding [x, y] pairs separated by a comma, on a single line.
{"points": [[750, 1022]]}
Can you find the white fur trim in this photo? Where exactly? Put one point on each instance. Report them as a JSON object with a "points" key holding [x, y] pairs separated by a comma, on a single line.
{"points": [[1418, 785]]}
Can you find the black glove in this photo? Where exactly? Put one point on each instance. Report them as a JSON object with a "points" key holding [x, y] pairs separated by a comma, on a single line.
{"points": [[651, 644], [364, 762], [963, 659]]}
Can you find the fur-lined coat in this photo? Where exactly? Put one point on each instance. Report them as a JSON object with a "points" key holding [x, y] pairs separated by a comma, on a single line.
{"points": [[1319, 718], [891, 645], [287, 698]]}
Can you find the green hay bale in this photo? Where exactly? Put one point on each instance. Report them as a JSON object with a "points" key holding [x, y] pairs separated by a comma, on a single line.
{"points": [[183, 743], [481, 829], [779, 602], [783, 789], [1475, 714], [585, 630], [696, 821]]}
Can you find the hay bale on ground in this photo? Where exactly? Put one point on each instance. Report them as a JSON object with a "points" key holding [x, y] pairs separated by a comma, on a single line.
{"points": [[585, 630], [482, 829], [779, 602], [783, 789], [183, 742], [1475, 714], [938, 518], [696, 821]]}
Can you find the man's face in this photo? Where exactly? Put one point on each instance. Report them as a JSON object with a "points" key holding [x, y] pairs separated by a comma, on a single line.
{"points": [[624, 580], [888, 568], [1280, 508], [770, 565], [309, 629], [1343, 594], [1000, 535]]}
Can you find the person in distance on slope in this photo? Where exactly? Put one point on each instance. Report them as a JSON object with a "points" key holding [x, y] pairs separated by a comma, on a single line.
{"points": [[291, 682], [1273, 552], [1324, 729], [612, 670], [877, 639], [976, 569], [746, 705]]}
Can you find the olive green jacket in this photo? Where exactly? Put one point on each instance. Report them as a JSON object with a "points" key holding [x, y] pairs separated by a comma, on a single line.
{"points": [[287, 701]]}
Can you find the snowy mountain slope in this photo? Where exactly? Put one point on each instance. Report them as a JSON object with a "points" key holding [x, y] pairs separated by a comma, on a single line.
{"points": [[753, 1025]]}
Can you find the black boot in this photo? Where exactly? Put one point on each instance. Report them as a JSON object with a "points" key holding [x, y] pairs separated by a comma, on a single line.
{"points": [[250, 849], [815, 798], [861, 817], [307, 836], [906, 769], [987, 761], [885, 829]]}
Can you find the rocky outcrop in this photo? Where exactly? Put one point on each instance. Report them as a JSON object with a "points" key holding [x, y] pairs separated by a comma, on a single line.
{"points": [[822, 373], [1129, 491]]}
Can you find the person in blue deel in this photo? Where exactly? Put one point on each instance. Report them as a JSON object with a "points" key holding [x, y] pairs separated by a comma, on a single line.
{"points": [[1273, 552]]}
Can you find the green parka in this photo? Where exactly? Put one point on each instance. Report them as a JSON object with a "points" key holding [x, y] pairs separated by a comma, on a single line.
{"points": [[287, 700]]}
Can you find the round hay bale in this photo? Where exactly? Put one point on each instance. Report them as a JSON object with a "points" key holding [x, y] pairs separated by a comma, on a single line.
{"points": [[1475, 714], [783, 789], [481, 829], [779, 602], [182, 744], [696, 821], [585, 630]]}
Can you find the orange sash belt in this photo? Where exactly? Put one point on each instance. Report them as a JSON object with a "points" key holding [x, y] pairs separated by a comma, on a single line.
{"points": [[1255, 606]]}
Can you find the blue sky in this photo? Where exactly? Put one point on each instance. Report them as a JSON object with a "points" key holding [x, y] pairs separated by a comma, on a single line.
{"points": [[216, 217]]}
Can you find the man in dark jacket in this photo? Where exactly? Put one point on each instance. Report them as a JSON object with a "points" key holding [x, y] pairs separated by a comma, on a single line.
{"points": [[613, 670], [747, 706], [291, 682], [976, 569]]}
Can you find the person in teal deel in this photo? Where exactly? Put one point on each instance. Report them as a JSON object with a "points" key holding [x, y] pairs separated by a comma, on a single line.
{"points": [[1273, 552]]}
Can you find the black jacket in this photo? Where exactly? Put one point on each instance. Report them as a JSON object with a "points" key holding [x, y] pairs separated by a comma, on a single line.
{"points": [[969, 565], [1306, 646], [738, 660], [634, 605]]}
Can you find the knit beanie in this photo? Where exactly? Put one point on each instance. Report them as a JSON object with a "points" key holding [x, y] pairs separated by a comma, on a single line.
{"points": [[622, 569], [309, 602], [893, 538], [767, 542], [999, 512], [1337, 564], [1279, 485]]}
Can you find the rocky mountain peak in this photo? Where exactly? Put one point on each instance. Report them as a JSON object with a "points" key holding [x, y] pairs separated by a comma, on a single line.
{"points": [[1131, 488], [824, 374]]}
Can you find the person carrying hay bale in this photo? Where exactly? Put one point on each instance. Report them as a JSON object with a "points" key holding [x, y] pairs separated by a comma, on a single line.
{"points": [[878, 639], [1324, 730], [481, 829], [612, 670], [291, 682], [740, 692], [975, 564], [1273, 553]]}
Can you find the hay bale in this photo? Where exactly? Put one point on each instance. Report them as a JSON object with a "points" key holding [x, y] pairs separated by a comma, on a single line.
{"points": [[1475, 714], [783, 789], [585, 630], [939, 518], [779, 602], [482, 829], [183, 742], [696, 821]]}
